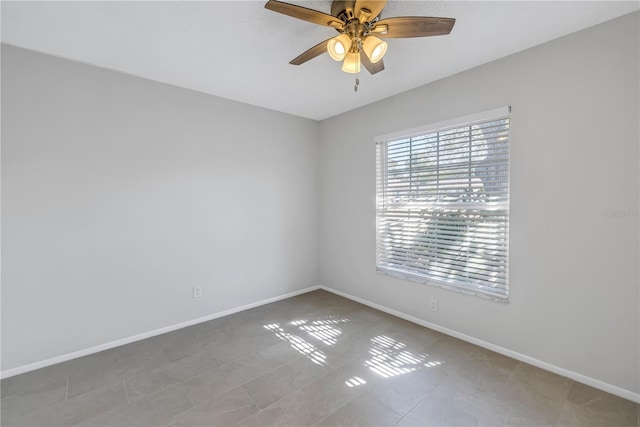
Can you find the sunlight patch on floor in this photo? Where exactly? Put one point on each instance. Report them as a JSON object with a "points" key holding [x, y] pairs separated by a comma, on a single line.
{"points": [[323, 331], [390, 358], [354, 382], [299, 344]]}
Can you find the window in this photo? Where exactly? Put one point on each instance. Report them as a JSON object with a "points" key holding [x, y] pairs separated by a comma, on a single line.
{"points": [[442, 204]]}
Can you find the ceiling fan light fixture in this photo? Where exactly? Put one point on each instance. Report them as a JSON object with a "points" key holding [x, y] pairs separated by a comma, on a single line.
{"points": [[351, 63], [374, 48], [358, 22], [338, 47]]}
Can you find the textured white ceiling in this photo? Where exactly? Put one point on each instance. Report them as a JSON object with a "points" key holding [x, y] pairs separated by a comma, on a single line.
{"points": [[241, 51]]}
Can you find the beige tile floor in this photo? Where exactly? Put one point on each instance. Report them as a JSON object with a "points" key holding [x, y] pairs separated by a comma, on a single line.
{"points": [[315, 359]]}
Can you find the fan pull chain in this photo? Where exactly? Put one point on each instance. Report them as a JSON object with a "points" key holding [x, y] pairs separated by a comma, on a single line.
{"points": [[358, 66]]}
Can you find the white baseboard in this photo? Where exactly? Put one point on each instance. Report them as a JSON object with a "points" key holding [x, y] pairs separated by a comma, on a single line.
{"points": [[95, 349], [626, 394]]}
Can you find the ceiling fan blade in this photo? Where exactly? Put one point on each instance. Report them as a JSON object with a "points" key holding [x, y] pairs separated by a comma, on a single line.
{"points": [[373, 6], [304, 13], [370, 66], [414, 26], [309, 54]]}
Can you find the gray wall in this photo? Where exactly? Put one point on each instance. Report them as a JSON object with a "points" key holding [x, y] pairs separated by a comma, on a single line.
{"points": [[119, 194], [573, 269]]}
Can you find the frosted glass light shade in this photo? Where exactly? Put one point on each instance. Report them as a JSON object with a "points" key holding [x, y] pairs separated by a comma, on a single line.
{"points": [[374, 48], [351, 63], [338, 47]]}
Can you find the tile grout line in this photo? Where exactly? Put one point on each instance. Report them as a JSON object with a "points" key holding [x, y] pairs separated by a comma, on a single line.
{"points": [[353, 399], [240, 356], [268, 372], [250, 398], [564, 407], [511, 374], [299, 388], [66, 395], [221, 366], [284, 364], [268, 333], [249, 416], [166, 387], [193, 405], [564, 403], [273, 370], [174, 417], [324, 418], [126, 393], [161, 389], [305, 385], [421, 400]]}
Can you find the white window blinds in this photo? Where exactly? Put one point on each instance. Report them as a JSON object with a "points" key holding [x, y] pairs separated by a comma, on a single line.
{"points": [[443, 204]]}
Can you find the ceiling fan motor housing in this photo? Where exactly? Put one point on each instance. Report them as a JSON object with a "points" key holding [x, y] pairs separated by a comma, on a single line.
{"points": [[355, 30], [343, 9]]}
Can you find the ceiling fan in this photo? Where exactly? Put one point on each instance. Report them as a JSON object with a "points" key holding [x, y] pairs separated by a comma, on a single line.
{"points": [[360, 28]]}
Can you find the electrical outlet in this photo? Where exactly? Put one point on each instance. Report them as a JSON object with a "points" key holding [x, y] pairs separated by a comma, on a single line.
{"points": [[434, 304], [197, 291]]}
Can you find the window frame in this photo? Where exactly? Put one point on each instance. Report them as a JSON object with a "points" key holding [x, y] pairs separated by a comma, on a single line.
{"points": [[382, 171]]}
